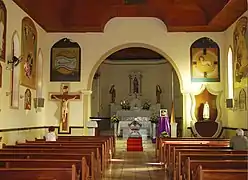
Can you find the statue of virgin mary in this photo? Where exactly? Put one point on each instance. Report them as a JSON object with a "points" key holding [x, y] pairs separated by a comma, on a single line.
{"points": [[206, 111]]}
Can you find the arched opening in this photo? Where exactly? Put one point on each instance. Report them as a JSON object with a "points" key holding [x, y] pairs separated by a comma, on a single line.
{"points": [[15, 78], [39, 74], [136, 76]]}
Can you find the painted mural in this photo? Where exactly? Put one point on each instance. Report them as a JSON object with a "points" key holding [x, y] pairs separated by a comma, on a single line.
{"points": [[240, 43], [65, 61], [205, 61], [3, 23], [29, 50]]}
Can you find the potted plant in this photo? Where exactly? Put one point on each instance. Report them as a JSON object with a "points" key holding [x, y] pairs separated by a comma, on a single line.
{"points": [[125, 105], [147, 105], [164, 134], [154, 121]]}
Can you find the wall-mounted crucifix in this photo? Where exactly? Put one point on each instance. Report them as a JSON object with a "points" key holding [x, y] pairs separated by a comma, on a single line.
{"points": [[64, 97]]}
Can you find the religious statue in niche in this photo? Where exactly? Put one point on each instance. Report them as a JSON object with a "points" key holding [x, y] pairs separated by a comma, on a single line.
{"points": [[206, 111], [3, 20], [158, 93], [135, 83], [64, 97], [27, 99], [240, 46], [205, 59], [242, 99], [112, 91]]}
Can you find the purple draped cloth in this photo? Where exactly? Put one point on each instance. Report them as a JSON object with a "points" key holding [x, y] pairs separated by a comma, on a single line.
{"points": [[163, 125]]}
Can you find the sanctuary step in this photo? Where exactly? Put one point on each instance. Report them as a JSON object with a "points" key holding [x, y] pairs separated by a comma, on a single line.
{"points": [[134, 144]]}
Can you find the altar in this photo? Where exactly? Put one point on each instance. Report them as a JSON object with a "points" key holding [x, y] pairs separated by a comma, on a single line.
{"points": [[127, 116]]}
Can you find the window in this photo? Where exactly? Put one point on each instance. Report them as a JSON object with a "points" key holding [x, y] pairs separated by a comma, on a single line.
{"points": [[230, 73]]}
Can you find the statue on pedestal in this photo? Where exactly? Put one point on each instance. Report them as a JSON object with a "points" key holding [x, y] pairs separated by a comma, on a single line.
{"points": [[158, 93], [112, 91], [206, 111]]}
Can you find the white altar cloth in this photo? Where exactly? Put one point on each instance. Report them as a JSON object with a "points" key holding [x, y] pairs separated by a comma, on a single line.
{"points": [[144, 121]]}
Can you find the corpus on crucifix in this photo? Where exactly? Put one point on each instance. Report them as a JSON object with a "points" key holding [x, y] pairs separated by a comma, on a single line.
{"points": [[64, 97]]}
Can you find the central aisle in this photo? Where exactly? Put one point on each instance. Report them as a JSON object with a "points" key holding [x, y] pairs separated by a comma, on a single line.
{"points": [[134, 165]]}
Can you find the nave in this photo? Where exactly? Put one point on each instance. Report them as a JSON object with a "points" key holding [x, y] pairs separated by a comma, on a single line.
{"points": [[134, 165]]}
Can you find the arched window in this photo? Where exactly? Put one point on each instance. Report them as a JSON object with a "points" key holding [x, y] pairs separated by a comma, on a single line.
{"points": [[16, 51], [39, 74], [230, 73]]}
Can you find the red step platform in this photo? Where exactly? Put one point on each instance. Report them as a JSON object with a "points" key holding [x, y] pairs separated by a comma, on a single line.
{"points": [[134, 144]]}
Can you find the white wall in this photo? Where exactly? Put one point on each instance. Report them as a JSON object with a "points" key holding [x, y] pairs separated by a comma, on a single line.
{"points": [[237, 118], [153, 73], [17, 118]]}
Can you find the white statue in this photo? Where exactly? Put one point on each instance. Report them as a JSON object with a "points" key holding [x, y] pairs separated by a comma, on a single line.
{"points": [[206, 111]]}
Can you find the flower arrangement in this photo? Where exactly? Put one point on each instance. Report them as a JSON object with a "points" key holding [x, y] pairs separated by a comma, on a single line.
{"points": [[154, 118], [164, 134], [125, 105], [115, 119], [147, 105]]}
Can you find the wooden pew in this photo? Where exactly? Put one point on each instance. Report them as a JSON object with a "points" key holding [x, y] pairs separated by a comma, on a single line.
{"points": [[165, 145], [176, 148], [191, 166], [219, 174], [182, 158], [39, 173], [170, 153], [90, 159], [67, 146], [159, 142], [56, 150], [176, 164], [105, 153], [75, 138], [81, 165]]}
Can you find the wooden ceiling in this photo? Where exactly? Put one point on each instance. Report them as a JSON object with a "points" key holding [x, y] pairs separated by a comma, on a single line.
{"points": [[135, 53], [92, 15]]}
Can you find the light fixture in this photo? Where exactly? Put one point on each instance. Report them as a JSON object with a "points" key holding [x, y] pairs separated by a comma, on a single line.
{"points": [[14, 62]]}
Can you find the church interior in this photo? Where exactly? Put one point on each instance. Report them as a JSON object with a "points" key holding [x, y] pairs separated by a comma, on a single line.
{"points": [[131, 87]]}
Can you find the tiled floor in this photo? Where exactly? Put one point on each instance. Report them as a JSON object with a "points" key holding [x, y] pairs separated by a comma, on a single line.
{"points": [[134, 165]]}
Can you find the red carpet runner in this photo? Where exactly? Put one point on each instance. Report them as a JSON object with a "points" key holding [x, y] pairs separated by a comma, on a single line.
{"points": [[134, 144]]}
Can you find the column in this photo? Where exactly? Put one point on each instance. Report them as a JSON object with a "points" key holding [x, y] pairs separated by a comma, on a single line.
{"points": [[86, 109], [173, 124]]}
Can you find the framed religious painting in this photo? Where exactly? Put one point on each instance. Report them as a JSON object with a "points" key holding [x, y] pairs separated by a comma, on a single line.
{"points": [[163, 113], [27, 99], [205, 61], [65, 62], [240, 56], [29, 50], [3, 25]]}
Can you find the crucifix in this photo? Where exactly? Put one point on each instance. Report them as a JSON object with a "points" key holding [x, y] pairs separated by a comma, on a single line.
{"points": [[64, 97]]}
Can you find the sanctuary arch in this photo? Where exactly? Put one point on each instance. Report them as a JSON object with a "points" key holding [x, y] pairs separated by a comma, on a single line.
{"points": [[88, 93]]}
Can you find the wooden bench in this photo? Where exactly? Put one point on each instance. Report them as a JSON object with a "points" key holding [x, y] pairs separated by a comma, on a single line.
{"points": [[102, 162], [94, 170], [219, 174], [81, 165], [191, 166], [165, 146], [175, 149], [39, 173], [182, 158], [159, 142], [170, 153]]}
